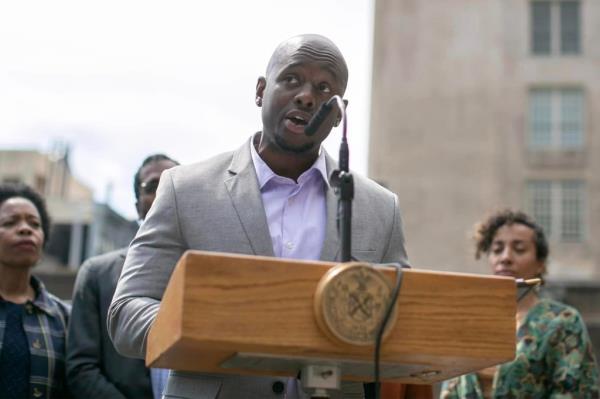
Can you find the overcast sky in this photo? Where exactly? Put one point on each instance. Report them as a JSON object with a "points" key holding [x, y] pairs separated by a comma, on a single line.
{"points": [[120, 80]]}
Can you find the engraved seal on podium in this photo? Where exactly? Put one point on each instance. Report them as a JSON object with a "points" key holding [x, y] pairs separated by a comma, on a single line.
{"points": [[350, 302]]}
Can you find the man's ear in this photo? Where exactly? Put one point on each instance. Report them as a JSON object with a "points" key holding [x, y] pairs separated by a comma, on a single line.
{"points": [[339, 114], [260, 89]]}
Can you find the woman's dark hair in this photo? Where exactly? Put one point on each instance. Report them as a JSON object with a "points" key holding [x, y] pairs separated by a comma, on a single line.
{"points": [[20, 190], [486, 231]]}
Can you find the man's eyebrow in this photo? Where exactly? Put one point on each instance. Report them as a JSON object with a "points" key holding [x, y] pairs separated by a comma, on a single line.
{"points": [[332, 71], [288, 67]]}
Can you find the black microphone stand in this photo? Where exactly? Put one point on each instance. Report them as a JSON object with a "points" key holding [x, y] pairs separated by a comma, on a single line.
{"points": [[341, 178], [343, 186]]}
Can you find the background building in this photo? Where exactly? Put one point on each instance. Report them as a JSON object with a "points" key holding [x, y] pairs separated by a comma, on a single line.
{"points": [[80, 227], [478, 105]]}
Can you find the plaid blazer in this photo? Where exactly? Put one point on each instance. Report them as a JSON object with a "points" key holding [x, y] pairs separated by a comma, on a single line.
{"points": [[45, 324]]}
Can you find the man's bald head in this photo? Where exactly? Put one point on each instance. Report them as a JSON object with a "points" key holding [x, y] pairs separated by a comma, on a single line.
{"points": [[317, 47]]}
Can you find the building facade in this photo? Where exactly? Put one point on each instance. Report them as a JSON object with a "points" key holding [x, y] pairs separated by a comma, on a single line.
{"points": [[81, 228], [480, 105]]}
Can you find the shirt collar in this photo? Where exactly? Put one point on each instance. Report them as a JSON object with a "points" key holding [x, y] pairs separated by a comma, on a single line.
{"points": [[42, 299], [264, 173]]}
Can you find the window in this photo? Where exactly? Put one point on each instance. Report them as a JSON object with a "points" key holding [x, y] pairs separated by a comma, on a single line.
{"points": [[556, 119], [571, 206], [540, 27], [569, 27], [558, 206], [555, 27]]}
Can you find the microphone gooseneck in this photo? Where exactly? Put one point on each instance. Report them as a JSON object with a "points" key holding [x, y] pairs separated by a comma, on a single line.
{"points": [[343, 185], [318, 118]]}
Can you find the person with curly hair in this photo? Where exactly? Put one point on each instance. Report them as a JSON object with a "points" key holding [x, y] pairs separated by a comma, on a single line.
{"points": [[554, 356], [33, 322]]}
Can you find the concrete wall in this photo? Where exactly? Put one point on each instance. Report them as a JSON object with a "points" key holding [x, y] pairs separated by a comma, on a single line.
{"points": [[449, 123]]}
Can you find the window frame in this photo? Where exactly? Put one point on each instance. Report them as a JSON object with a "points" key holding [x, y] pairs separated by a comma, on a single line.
{"points": [[558, 135], [556, 29], [556, 230]]}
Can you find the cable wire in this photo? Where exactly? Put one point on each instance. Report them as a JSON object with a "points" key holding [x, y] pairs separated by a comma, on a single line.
{"points": [[384, 322]]}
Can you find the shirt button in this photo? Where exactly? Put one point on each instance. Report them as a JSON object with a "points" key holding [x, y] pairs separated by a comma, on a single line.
{"points": [[278, 387], [37, 344], [29, 308], [37, 393], [289, 245]]}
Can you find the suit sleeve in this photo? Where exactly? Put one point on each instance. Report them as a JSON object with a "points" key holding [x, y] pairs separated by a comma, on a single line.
{"points": [[150, 260], [396, 251], [84, 346]]}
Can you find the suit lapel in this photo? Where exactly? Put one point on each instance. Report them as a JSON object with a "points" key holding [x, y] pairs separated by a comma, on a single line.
{"points": [[245, 195], [331, 245]]}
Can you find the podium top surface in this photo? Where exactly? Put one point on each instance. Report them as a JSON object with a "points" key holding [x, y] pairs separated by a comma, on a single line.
{"points": [[220, 310]]}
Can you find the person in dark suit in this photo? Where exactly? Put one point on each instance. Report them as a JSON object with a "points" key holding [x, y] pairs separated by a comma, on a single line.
{"points": [[94, 368]]}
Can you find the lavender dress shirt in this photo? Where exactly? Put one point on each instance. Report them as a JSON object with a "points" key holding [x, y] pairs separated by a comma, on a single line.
{"points": [[296, 211]]}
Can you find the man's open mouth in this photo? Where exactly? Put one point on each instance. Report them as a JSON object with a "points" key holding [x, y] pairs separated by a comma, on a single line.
{"points": [[298, 120]]}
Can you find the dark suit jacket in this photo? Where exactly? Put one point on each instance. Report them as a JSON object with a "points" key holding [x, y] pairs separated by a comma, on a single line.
{"points": [[94, 368]]}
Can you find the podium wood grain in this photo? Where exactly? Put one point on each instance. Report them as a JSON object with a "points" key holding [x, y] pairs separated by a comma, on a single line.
{"points": [[218, 304]]}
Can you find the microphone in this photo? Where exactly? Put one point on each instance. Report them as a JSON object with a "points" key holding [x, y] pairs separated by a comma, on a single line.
{"points": [[318, 118]]}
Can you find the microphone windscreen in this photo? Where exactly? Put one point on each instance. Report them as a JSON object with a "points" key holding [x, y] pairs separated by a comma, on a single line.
{"points": [[315, 122]]}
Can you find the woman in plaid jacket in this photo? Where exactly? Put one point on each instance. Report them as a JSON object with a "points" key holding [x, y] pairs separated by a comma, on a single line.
{"points": [[32, 321]]}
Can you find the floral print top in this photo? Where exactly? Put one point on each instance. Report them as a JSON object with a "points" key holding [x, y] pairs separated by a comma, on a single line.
{"points": [[554, 359]]}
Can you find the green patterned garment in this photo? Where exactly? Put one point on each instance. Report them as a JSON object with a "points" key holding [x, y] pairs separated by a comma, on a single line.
{"points": [[554, 359]]}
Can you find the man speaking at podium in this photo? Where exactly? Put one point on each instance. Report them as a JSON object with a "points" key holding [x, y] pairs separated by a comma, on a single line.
{"points": [[271, 197]]}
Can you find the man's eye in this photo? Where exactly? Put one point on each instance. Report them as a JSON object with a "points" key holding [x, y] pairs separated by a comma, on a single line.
{"points": [[324, 87], [291, 79]]}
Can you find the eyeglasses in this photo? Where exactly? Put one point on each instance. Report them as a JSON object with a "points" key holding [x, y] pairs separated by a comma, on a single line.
{"points": [[150, 186]]}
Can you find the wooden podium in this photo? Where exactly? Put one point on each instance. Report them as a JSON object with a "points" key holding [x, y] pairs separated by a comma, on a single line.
{"points": [[240, 314]]}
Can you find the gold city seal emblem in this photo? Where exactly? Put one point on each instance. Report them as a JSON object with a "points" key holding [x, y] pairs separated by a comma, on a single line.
{"points": [[350, 303]]}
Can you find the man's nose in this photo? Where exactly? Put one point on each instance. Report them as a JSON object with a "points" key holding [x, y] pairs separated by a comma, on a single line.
{"points": [[305, 97]]}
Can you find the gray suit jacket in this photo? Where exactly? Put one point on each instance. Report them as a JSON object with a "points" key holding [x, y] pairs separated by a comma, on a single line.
{"points": [[94, 368], [215, 205]]}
